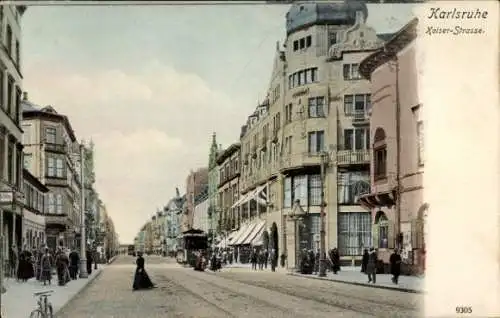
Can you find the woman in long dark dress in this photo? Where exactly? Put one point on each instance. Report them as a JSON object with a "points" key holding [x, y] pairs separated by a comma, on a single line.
{"points": [[141, 277]]}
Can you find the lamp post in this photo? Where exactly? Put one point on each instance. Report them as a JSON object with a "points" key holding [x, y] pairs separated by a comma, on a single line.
{"points": [[322, 247], [83, 241]]}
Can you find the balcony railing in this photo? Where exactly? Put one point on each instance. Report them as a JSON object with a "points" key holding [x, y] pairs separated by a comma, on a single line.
{"points": [[360, 117], [56, 181], [350, 157], [54, 147]]}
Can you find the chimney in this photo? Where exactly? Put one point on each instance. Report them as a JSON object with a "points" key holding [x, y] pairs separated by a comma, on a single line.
{"points": [[25, 95], [177, 192]]}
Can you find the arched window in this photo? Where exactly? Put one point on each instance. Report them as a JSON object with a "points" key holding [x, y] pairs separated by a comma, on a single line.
{"points": [[9, 40], [382, 228], [379, 155]]}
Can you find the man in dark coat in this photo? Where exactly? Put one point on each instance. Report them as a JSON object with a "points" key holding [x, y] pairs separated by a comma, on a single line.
{"points": [[364, 261], [335, 260], [88, 256], [74, 261], [395, 261]]}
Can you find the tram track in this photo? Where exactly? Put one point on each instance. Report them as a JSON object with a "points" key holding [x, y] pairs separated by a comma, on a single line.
{"points": [[342, 300]]}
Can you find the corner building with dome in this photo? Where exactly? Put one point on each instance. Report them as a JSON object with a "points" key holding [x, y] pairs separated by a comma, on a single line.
{"points": [[316, 110]]}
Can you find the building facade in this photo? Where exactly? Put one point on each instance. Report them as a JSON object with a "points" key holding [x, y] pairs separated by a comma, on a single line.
{"points": [[396, 202], [228, 189], [173, 217], [315, 115], [91, 196], [33, 225], [196, 183], [11, 148], [213, 181], [52, 155]]}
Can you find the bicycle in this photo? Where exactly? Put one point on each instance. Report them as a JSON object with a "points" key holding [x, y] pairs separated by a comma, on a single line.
{"points": [[44, 307]]}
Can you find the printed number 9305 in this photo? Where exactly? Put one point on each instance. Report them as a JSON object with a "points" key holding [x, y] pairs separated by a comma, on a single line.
{"points": [[463, 310]]}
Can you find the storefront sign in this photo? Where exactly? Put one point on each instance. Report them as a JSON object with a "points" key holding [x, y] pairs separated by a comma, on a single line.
{"points": [[6, 197], [301, 92]]}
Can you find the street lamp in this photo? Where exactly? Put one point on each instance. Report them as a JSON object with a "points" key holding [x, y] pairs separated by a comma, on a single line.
{"points": [[83, 240], [322, 244], [296, 215]]}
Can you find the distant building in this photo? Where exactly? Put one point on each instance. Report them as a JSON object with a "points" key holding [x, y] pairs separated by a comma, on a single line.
{"points": [[33, 212], [213, 182], [196, 183], [173, 216], [52, 155]]}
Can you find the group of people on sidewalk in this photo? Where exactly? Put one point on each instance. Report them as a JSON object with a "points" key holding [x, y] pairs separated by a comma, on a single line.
{"points": [[262, 258], [309, 261], [369, 265], [41, 262]]}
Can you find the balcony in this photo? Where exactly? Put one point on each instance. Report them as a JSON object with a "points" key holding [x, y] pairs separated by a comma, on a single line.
{"points": [[360, 118], [353, 157], [56, 181], [300, 160], [57, 148]]}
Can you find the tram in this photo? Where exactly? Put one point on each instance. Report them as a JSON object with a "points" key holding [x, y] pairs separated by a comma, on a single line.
{"points": [[189, 244]]}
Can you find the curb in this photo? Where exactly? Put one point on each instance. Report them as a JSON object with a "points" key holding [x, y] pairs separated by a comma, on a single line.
{"points": [[405, 290], [89, 281]]}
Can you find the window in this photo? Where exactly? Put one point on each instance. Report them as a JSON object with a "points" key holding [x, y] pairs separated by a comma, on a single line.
{"points": [[316, 107], [17, 105], [420, 142], [59, 168], [2, 90], [358, 103], [315, 230], [288, 144], [308, 41], [295, 45], [50, 135], [300, 189], [288, 113], [351, 72], [18, 54], [51, 204], [314, 190], [9, 40], [51, 167], [351, 185], [316, 141], [59, 204], [27, 161], [302, 43], [287, 192], [303, 77], [354, 232], [380, 157], [10, 163], [332, 38], [356, 139], [10, 90]]}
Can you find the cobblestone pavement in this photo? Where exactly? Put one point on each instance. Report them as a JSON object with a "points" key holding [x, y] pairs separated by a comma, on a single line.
{"points": [[183, 292]]}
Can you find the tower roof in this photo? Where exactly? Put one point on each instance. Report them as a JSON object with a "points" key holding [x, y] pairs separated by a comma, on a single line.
{"points": [[302, 15]]}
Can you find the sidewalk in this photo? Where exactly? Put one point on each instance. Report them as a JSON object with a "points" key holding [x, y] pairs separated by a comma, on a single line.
{"points": [[353, 275], [18, 301]]}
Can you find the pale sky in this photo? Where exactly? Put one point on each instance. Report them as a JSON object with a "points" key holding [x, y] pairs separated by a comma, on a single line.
{"points": [[149, 84]]}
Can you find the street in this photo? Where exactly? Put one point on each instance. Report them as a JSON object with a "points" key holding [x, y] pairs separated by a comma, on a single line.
{"points": [[236, 292]]}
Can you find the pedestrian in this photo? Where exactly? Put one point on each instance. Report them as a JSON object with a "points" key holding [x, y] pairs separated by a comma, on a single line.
{"points": [[283, 259], [335, 261], [364, 261], [371, 268], [316, 262], [253, 259], [141, 277], [88, 256], [273, 259], [395, 261], [13, 261], [74, 261], [61, 265], [266, 257], [46, 267]]}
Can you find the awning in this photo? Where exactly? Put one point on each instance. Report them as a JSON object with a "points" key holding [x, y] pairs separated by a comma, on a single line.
{"points": [[231, 236], [256, 233], [376, 200], [243, 237], [255, 194], [238, 233]]}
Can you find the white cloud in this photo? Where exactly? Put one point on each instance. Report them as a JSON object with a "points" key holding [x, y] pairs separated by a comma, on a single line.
{"points": [[149, 128]]}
